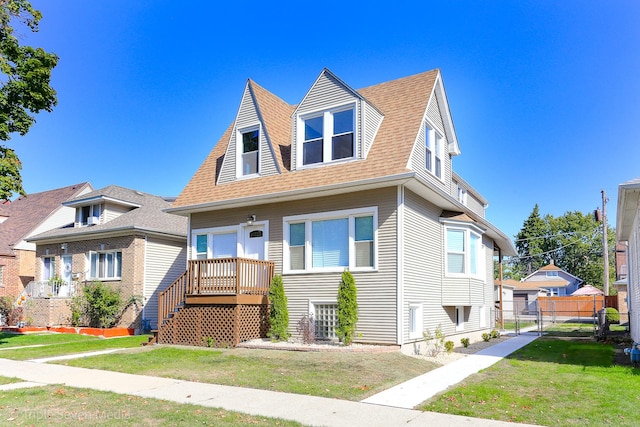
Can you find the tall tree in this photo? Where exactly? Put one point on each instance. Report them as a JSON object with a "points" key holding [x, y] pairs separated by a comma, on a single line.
{"points": [[25, 87], [531, 244], [573, 241]]}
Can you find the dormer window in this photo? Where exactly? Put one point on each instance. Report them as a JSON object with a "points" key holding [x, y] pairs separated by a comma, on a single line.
{"points": [[250, 152], [433, 151], [328, 136], [88, 215]]}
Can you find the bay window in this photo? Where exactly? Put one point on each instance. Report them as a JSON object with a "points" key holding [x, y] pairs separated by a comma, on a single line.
{"points": [[464, 256], [331, 241]]}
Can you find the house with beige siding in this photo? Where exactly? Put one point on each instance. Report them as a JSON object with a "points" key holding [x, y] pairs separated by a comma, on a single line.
{"points": [[628, 230], [347, 179], [117, 236]]}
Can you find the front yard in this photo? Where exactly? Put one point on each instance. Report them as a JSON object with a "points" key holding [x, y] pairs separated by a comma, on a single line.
{"points": [[557, 380]]}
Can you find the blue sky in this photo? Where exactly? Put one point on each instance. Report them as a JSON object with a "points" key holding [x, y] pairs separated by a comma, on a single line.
{"points": [[545, 95]]}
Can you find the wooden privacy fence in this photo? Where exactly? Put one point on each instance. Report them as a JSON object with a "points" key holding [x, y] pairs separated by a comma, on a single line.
{"points": [[573, 306]]}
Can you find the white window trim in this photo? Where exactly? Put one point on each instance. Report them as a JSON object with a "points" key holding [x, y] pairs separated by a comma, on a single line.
{"points": [[104, 279], [430, 134], [308, 218], [239, 132], [327, 134], [312, 308], [480, 256], [417, 333], [91, 214], [210, 232]]}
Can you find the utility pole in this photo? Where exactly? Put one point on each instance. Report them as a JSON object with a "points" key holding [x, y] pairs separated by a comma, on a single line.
{"points": [[605, 284]]}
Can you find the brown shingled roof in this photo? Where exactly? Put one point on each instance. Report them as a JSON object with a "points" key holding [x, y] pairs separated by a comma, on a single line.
{"points": [[27, 212], [403, 103]]}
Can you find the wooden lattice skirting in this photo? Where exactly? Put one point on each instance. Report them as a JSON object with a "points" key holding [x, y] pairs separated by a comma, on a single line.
{"points": [[215, 325]]}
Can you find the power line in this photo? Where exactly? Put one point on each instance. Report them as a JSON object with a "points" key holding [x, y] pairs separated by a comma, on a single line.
{"points": [[547, 252], [546, 237]]}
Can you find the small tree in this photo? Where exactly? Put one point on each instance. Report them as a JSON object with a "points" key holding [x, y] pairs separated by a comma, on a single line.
{"points": [[347, 308], [279, 313]]}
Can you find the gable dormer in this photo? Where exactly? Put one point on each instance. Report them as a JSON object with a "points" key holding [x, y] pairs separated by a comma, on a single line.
{"points": [[333, 123], [97, 208], [436, 141], [249, 152]]}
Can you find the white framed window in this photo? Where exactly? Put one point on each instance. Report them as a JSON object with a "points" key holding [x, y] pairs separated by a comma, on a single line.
{"points": [[48, 267], [434, 145], [105, 265], [552, 274], [219, 242], [464, 251], [89, 215], [483, 316], [248, 151], [462, 195], [331, 241], [327, 136], [415, 320], [459, 318]]}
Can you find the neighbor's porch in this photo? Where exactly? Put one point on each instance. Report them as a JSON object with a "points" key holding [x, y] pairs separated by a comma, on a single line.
{"points": [[219, 302]]}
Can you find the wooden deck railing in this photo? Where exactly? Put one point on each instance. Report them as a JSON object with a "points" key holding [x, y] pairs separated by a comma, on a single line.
{"points": [[229, 276], [171, 297], [220, 276]]}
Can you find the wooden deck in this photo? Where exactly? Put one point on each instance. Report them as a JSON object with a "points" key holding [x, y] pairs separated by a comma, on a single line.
{"points": [[225, 297]]}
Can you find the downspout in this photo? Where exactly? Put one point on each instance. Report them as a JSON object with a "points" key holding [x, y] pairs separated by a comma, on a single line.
{"points": [[400, 267], [500, 278]]}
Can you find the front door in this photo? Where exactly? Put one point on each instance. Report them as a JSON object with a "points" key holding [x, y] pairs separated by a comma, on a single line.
{"points": [[63, 291], [253, 244], [253, 247]]}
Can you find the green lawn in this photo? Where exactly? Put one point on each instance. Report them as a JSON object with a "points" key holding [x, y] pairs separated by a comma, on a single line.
{"points": [[342, 375], [552, 381], [64, 406], [61, 344], [19, 340]]}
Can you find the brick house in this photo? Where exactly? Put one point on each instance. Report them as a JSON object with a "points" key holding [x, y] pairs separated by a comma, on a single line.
{"points": [[121, 237], [24, 217]]}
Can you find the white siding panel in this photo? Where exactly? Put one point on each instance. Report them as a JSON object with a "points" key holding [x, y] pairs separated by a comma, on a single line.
{"points": [[376, 290], [112, 211], [165, 262], [372, 121]]}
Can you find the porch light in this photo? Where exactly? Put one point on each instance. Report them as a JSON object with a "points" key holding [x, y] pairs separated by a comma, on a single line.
{"points": [[251, 219], [63, 246]]}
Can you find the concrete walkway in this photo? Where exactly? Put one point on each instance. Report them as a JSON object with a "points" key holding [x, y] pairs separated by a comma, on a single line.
{"points": [[308, 410], [417, 390]]}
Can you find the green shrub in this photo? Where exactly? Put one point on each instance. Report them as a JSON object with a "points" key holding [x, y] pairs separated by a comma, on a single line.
{"points": [[347, 308], [495, 333], [465, 342], [486, 337], [448, 346], [279, 313], [99, 306], [612, 315], [6, 308]]}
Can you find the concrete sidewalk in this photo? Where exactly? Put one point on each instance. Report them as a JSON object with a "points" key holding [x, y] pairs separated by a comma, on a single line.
{"points": [[308, 410], [417, 390]]}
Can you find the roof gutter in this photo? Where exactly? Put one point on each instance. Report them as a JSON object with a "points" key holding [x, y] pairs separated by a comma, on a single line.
{"points": [[305, 193], [114, 232]]}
